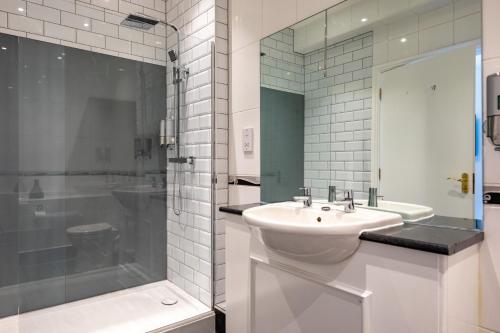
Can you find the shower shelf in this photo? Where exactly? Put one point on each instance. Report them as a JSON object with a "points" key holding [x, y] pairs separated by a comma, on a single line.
{"points": [[182, 160]]}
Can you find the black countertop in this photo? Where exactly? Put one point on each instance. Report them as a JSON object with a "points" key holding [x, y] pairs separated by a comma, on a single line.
{"points": [[428, 238], [238, 209], [438, 234]]}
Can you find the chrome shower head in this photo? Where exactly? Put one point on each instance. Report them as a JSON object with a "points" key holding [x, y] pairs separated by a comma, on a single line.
{"points": [[139, 22]]}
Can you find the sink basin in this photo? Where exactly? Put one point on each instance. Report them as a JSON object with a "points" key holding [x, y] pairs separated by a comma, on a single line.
{"points": [[138, 198], [409, 212], [312, 234]]}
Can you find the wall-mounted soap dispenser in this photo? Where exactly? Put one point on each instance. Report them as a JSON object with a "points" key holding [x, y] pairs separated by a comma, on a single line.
{"points": [[493, 108]]}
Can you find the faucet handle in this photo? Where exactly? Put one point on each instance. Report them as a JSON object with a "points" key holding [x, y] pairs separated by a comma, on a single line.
{"points": [[348, 194], [307, 190]]}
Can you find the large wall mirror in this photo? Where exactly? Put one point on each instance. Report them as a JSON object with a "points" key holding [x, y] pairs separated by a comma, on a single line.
{"points": [[376, 94]]}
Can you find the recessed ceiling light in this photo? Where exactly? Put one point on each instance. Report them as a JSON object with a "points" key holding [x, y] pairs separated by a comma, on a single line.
{"points": [[364, 19], [21, 9], [4, 48], [59, 58], [158, 42], [86, 24], [403, 40]]}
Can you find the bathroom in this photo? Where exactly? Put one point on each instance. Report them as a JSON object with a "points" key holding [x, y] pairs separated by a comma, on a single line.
{"points": [[249, 166]]}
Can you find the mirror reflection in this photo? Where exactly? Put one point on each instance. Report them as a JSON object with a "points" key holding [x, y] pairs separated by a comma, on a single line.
{"points": [[366, 97]]}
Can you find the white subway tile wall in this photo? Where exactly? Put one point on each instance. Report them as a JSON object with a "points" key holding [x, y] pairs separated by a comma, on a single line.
{"points": [[221, 141], [338, 101], [92, 25], [189, 245], [281, 68]]}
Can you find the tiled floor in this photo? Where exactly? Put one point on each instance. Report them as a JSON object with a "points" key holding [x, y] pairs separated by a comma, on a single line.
{"points": [[132, 310]]}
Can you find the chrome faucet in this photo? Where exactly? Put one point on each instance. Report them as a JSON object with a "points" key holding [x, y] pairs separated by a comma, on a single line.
{"points": [[306, 199], [348, 202], [373, 197]]}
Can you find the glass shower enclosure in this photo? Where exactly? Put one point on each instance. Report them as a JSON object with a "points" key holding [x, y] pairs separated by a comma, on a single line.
{"points": [[91, 201]]}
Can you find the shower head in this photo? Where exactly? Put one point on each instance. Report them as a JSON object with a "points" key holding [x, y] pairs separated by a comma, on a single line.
{"points": [[172, 55], [139, 22], [146, 23]]}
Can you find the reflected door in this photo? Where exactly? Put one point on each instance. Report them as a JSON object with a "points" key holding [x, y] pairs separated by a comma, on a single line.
{"points": [[427, 132], [282, 145]]}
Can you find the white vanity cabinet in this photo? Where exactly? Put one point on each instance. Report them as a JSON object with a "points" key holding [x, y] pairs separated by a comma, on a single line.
{"points": [[380, 289]]}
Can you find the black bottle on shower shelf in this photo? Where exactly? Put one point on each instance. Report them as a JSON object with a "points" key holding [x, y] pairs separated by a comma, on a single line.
{"points": [[36, 191]]}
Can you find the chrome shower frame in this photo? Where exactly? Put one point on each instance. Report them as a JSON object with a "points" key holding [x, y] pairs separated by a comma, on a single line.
{"points": [[180, 74]]}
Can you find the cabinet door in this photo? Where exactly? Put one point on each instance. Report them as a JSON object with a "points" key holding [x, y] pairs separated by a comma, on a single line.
{"points": [[285, 303]]}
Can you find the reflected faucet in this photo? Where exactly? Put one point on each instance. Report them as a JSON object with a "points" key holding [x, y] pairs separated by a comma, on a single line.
{"points": [[306, 199], [348, 202]]}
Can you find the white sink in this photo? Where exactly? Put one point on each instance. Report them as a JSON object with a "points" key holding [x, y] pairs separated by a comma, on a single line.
{"points": [[409, 212], [139, 197], [312, 234]]}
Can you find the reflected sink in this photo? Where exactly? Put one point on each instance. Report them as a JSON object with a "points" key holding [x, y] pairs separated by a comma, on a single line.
{"points": [[409, 212], [312, 234], [138, 198]]}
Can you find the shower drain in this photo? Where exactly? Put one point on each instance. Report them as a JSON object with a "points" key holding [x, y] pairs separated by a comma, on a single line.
{"points": [[169, 301]]}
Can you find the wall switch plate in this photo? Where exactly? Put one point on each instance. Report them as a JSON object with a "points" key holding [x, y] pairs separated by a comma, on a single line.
{"points": [[247, 140]]}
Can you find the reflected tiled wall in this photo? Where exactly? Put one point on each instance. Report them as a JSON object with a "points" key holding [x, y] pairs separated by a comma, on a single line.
{"points": [[281, 68], [338, 117]]}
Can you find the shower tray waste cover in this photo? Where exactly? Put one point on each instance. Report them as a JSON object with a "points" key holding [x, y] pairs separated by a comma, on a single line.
{"points": [[169, 301]]}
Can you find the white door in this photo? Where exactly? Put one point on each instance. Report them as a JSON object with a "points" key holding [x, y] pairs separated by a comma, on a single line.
{"points": [[426, 132]]}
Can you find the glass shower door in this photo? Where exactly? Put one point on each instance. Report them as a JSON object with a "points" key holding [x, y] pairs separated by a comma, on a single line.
{"points": [[42, 214], [9, 182], [83, 179]]}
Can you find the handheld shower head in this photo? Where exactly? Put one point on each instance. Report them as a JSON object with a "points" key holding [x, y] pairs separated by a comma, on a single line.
{"points": [[172, 55]]}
